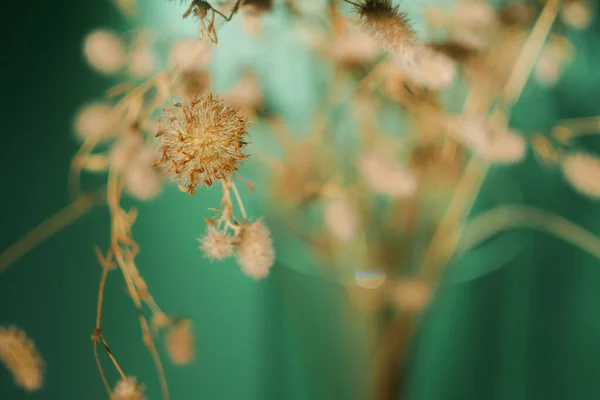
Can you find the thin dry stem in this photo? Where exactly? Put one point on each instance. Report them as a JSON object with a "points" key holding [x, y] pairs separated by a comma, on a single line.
{"points": [[509, 217], [78, 208]]}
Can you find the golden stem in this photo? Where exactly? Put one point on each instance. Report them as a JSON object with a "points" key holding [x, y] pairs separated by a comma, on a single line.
{"points": [[52, 225], [508, 217], [100, 369], [239, 200], [111, 355]]}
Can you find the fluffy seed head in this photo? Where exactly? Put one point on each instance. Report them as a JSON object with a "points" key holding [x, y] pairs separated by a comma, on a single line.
{"points": [[142, 179], [96, 121], [255, 253], [215, 244], [384, 175], [180, 343], [410, 295], [392, 30], [582, 171], [200, 141], [104, 51], [340, 217], [436, 71], [576, 14], [128, 389], [21, 358]]}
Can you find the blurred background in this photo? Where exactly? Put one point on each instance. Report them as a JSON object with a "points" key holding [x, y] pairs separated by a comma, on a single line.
{"points": [[515, 318]]}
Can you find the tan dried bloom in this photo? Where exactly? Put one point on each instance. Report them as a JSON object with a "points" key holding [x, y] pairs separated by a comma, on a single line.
{"points": [[551, 60], [201, 141], [20, 356], [354, 49], [180, 343], [142, 62], [124, 151], [410, 295], [485, 139], [436, 71], [392, 30], [582, 171], [160, 320], [215, 244], [384, 175], [142, 179], [340, 216], [255, 253], [96, 121], [576, 14], [128, 389], [104, 51]]}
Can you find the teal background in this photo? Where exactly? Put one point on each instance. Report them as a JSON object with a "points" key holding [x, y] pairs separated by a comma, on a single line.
{"points": [[514, 319]]}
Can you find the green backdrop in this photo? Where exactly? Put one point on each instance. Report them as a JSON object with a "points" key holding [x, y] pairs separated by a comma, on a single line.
{"points": [[514, 319]]}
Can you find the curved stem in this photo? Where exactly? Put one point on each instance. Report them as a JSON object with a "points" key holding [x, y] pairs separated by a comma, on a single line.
{"points": [[100, 369], [505, 218], [52, 225]]}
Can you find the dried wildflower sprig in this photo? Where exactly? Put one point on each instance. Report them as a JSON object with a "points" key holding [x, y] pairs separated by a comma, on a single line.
{"points": [[20, 356]]}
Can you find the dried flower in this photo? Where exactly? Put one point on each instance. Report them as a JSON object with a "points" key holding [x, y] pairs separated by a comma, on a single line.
{"points": [[392, 30], [200, 141], [142, 179], [486, 140], [576, 14], [339, 216], [128, 389], [354, 50], [582, 171], [245, 95], [410, 295], [96, 121], [385, 175], [160, 320], [215, 244], [21, 358], [141, 62], [255, 253], [125, 150], [180, 343], [104, 51], [436, 70]]}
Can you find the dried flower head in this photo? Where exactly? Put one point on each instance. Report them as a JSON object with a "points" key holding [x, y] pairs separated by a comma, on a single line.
{"points": [[354, 50], [384, 175], [436, 71], [392, 30], [410, 295], [128, 389], [180, 343], [20, 356], [200, 141], [160, 320], [96, 121], [142, 62], [142, 179], [104, 51], [340, 216], [488, 141], [576, 14], [582, 171], [255, 253], [215, 244]]}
